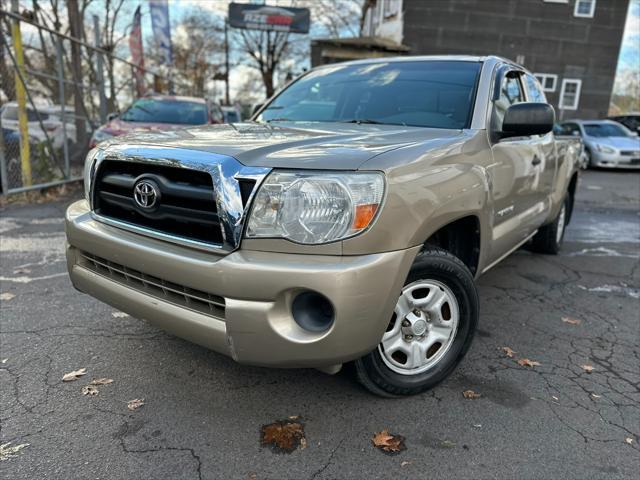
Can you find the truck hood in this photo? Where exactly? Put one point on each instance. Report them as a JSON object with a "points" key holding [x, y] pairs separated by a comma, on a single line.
{"points": [[291, 145]]}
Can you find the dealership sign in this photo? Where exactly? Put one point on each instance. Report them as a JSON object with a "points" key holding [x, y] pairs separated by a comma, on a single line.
{"points": [[264, 17]]}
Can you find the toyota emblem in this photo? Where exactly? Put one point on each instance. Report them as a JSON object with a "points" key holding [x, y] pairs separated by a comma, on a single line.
{"points": [[146, 194]]}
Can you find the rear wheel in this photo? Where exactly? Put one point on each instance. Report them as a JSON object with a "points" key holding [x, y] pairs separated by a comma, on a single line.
{"points": [[549, 238], [430, 331]]}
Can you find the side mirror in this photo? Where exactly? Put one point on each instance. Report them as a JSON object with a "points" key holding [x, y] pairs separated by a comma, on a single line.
{"points": [[524, 119], [112, 116], [255, 108]]}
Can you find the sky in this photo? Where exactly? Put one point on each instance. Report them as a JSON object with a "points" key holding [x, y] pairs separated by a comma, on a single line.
{"points": [[630, 51]]}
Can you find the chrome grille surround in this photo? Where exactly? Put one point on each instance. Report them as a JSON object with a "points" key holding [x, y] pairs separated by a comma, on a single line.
{"points": [[226, 173]]}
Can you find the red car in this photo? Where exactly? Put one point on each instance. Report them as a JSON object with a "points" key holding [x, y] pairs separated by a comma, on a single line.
{"points": [[159, 112]]}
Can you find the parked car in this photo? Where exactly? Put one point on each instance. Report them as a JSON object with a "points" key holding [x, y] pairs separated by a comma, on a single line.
{"points": [[159, 112], [347, 222], [564, 134], [231, 114], [51, 118], [631, 121], [607, 143]]}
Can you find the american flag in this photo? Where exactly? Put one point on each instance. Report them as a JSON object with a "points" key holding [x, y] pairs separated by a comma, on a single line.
{"points": [[137, 53]]}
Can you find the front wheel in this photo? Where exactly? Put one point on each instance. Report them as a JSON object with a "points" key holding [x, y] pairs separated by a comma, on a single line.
{"points": [[431, 329]]}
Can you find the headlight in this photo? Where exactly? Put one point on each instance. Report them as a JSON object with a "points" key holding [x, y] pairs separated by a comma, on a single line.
{"points": [[605, 148], [100, 135], [315, 207], [89, 170]]}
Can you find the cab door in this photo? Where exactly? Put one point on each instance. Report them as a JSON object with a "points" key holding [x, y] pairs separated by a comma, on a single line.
{"points": [[515, 173], [547, 151]]}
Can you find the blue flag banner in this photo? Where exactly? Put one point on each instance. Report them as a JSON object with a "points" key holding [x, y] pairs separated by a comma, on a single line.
{"points": [[162, 28]]}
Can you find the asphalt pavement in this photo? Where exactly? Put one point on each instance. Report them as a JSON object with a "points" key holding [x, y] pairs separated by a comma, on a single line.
{"points": [[202, 412]]}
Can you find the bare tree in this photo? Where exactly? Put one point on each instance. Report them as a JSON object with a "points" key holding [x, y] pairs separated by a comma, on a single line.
{"points": [[76, 31]]}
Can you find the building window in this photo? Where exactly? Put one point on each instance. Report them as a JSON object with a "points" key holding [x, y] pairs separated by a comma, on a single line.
{"points": [[584, 8], [570, 93], [548, 81], [390, 8]]}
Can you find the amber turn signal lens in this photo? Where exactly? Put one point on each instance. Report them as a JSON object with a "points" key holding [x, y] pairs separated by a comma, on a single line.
{"points": [[364, 215]]}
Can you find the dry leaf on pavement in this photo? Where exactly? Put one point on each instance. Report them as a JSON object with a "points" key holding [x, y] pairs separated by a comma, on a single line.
{"points": [[471, 394], [405, 463], [5, 297], [629, 440], [119, 315], [571, 321], [101, 381], [135, 403], [508, 352], [7, 451], [388, 442], [71, 376], [89, 390], [587, 368], [21, 271], [283, 436], [525, 362]]}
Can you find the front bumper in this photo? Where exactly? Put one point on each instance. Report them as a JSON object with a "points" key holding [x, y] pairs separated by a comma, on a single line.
{"points": [[614, 160], [255, 325]]}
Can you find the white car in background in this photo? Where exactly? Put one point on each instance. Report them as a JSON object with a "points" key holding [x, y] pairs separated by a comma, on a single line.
{"points": [[51, 116], [607, 143]]}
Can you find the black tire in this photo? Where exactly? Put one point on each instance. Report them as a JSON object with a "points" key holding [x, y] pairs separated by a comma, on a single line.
{"points": [[439, 265], [548, 240], [589, 162]]}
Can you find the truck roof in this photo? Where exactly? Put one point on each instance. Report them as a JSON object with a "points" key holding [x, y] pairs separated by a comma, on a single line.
{"points": [[428, 58]]}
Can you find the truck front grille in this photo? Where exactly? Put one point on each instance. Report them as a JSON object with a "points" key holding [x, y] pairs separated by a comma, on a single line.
{"points": [[184, 200], [202, 302]]}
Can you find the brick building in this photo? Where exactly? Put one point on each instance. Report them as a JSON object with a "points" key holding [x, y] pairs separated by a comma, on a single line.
{"points": [[571, 45]]}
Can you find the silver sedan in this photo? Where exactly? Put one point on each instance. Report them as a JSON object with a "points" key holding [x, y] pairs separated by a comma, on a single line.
{"points": [[607, 143]]}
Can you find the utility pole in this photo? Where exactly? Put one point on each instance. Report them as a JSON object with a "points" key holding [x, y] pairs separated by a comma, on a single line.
{"points": [[226, 62], [75, 29], [100, 71], [21, 97]]}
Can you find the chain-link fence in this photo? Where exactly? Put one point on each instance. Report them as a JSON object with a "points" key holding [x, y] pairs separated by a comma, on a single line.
{"points": [[55, 90]]}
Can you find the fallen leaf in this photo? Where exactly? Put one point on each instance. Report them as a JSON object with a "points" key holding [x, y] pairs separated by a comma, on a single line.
{"points": [[554, 397], [101, 381], [470, 394], [587, 368], [303, 443], [4, 360], [283, 436], [388, 442], [477, 425], [71, 376], [294, 417], [525, 362], [252, 476], [629, 440], [508, 352], [89, 390], [19, 271], [7, 451], [119, 315], [448, 444], [596, 396], [5, 297], [571, 321], [135, 403], [405, 463]]}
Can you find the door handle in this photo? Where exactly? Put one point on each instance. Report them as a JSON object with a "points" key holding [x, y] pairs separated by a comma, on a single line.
{"points": [[536, 161]]}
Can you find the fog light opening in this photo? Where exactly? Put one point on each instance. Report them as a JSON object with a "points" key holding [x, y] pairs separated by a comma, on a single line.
{"points": [[312, 312]]}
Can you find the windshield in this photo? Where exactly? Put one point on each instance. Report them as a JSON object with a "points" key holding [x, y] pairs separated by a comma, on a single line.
{"points": [[438, 94], [604, 130], [166, 111]]}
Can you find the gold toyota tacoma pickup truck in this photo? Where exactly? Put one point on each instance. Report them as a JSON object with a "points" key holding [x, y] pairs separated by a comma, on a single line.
{"points": [[345, 223]]}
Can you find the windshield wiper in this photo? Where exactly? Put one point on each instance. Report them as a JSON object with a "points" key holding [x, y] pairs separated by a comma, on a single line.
{"points": [[363, 121]]}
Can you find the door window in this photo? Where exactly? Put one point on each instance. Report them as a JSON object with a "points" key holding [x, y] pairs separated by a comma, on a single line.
{"points": [[511, 93], [535, 91]]}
